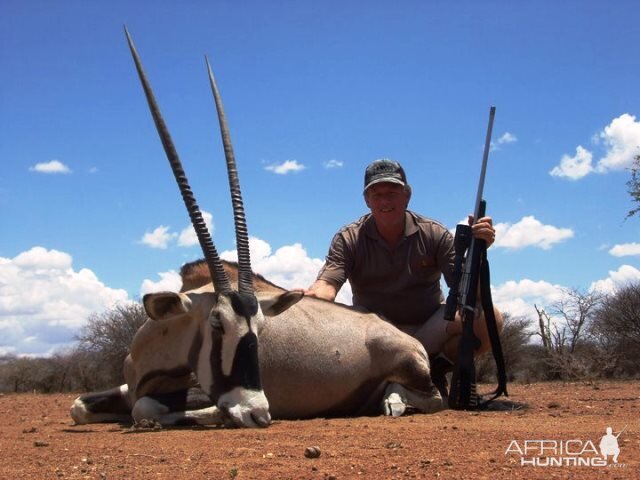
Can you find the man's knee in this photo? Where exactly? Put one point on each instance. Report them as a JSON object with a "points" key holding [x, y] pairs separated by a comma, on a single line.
{"points": [[482, 332]]}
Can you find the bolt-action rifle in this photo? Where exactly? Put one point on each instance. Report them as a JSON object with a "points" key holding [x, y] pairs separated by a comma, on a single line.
{"points": [[471, 275]]}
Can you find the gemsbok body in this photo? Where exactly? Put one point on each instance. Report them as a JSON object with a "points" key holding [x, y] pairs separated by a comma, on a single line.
{"points": [[212, 354]]}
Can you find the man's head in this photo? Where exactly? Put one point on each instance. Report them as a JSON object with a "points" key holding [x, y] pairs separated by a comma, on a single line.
{"points": [[384, 170], [386, 192]]}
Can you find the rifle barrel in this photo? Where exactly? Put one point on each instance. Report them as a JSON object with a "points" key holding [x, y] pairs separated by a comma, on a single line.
{"points": [[485, 159]]}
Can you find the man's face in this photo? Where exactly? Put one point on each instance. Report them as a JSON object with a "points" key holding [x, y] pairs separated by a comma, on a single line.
{"points": [[388, 202]]}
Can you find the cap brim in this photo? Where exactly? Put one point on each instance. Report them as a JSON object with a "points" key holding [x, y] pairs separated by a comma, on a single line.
{"points": [[385, 180]]}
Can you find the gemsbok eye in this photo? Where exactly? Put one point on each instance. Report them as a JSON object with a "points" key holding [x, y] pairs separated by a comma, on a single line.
{"points": [[216, 322]]}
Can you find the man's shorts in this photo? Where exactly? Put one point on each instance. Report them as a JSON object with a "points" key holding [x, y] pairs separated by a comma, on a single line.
{"points": [[432, 333]]}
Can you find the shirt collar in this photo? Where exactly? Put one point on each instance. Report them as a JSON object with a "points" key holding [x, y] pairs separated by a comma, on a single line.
{"points": [[410, 226]]}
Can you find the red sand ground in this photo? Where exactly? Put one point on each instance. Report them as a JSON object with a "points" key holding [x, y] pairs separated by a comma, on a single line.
{"points": [[39, 441]]}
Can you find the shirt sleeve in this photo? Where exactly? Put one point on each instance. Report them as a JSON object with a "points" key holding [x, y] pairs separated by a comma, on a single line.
{"points": [[335, 268], [446, 256]]}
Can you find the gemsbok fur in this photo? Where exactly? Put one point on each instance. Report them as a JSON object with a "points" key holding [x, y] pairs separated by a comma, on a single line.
{"points": [[212, 354]]}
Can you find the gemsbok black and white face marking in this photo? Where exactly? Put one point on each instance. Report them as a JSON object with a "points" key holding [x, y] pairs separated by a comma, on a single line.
{"points": [[236, 321], [223, 352], [238, 336], [220, 340]]}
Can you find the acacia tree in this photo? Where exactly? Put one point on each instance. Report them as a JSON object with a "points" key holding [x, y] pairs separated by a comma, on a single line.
{"points": [[564, 328], [15, 373], [616, 330], [576, 309], [634, 186], [108, 337], [553, 338]]}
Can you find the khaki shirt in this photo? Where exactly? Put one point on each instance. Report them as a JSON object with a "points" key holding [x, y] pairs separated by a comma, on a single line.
{"points": [[402, 284]]}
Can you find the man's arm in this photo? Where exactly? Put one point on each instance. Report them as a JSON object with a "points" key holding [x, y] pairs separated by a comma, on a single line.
{"points": [[333, 274], [322, 289]]}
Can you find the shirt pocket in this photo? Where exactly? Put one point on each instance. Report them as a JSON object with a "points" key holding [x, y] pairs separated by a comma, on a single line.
{"points": [[423, 267]]}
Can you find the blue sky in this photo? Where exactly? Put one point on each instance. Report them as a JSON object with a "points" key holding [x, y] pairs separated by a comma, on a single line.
{"points": [[314, 91]]}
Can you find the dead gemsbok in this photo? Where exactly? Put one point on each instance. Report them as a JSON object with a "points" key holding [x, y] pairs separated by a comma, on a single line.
{"points": [[197, 361]]}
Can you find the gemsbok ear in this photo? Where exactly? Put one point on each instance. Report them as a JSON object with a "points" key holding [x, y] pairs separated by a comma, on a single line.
{"points": [[276, 304], [163, 304]]}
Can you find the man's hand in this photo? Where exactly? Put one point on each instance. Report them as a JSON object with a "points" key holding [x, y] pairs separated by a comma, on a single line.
{"points": [[322, 289], [483, 230]]}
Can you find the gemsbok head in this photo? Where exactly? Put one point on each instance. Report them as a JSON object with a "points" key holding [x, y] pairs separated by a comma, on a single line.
{"points": [[214, 329]]}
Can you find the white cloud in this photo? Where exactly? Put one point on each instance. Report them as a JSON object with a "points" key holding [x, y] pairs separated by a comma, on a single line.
{"points": [[54, 166], [285, 167], [333, 164], [504, 139], [625, 275], [44, 301], [507, 137], [574, 167], [529, 232], [520, 297], [188, 237], [289, 266], [169, 282], [625, 249], [622, 137], [41, 259], [159, 238]]}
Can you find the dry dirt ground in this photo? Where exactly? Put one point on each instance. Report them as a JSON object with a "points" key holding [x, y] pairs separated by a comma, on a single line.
{"points": [[39, 441]]}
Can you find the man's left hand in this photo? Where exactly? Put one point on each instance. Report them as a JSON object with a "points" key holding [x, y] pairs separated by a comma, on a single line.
{"points": [[483, 230]]}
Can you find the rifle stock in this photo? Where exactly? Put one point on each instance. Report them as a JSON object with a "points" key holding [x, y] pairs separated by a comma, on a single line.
{"points": [[463, 382]]}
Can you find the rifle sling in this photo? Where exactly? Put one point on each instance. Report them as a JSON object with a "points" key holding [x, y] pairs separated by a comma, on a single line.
{"points": [[492, 329]]}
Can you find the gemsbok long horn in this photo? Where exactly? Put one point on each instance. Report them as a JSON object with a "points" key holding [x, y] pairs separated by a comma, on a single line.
{"points": [[245, 282], [218, 275]]}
